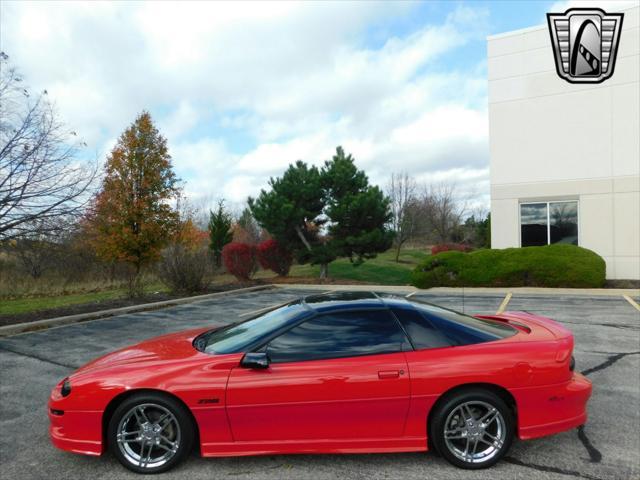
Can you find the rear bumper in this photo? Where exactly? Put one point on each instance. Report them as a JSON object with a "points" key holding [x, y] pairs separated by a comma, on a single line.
{"points": [[553, 408]]}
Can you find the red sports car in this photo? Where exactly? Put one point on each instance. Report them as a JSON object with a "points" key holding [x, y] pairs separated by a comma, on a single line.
{"points": [[333, 373]]}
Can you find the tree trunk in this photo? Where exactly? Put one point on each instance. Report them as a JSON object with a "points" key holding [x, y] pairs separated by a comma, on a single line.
{"points": [[304, 240], [324, 267], [324, 270], [135, 285], [398, 252]]}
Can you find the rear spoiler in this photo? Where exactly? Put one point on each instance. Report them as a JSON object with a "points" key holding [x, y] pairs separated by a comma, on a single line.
{"points": [[509, 321]]}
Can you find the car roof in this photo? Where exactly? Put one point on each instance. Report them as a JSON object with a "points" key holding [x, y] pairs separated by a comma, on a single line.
{"points": [[347, 300]]}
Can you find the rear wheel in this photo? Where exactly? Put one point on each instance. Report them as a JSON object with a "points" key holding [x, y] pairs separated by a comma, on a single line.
{"points": [[472, 429], [150, 433]]}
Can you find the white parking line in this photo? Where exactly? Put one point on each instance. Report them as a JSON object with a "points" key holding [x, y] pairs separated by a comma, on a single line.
{"points": [[504, 303], [632, 302]]}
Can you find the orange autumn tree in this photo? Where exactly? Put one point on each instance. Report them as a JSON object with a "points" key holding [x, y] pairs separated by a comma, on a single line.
{"points": [[190, 236], [132, 216]]}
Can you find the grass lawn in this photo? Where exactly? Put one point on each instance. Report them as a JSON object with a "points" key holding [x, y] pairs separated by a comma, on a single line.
{"points": [[23, 305], [382, 270], [32, 304]]}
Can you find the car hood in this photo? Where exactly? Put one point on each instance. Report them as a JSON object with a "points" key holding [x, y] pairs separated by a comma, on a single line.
{"points": [[169, 363], [175, 347]]}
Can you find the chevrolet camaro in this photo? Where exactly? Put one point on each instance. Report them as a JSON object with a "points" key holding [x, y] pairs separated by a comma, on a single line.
{"points": [[345, 372]]}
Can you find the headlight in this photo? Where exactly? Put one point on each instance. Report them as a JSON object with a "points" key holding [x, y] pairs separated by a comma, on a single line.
{"points": [[66, 388]]}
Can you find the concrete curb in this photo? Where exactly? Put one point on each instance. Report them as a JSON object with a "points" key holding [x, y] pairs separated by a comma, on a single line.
{"points": [[336, 287], [591, 292], [18, 328], [594, 292]]}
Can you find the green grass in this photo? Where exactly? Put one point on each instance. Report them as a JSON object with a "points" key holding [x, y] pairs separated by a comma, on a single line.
{"points": [[382, 270], [25, 305], [549, 266], [33, 304]]}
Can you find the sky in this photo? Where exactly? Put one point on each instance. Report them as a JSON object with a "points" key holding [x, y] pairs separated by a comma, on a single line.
{"points": [[241, 89]]}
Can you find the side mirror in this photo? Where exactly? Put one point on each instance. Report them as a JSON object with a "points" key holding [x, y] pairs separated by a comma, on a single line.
{"points": [[257, 360]]}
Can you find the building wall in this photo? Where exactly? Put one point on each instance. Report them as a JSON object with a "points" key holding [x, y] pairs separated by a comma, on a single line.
{"points": [[552, 140]]}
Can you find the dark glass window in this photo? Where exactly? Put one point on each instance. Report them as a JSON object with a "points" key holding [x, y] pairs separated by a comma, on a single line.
{"points": [[548, 222], [463, 329], [338, 335], [533, 224], [421, 332], [563, 222], [237, 337]]}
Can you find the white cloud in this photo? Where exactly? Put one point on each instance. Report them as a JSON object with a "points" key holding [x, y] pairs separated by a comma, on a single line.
{"points": [[180, 121], [291, 79]]}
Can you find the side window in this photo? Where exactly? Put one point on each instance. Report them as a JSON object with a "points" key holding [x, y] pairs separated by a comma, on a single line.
{"points": [[339, 335], [421, 332], [463, 329]]}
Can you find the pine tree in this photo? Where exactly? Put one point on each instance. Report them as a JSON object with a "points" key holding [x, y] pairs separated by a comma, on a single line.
{"points": [[220, 233], [305, 200], [291, 211], [360, 213]]}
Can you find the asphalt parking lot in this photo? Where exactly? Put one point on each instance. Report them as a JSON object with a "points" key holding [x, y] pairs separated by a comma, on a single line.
{"points": [[607, 332]]}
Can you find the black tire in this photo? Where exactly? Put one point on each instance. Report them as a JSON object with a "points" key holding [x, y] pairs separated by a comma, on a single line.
{"points": [[480, 403], [182, 431]]}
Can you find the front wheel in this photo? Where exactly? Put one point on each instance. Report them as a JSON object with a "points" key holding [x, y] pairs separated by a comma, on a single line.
{"points": [[150, 433], [472, 429]]}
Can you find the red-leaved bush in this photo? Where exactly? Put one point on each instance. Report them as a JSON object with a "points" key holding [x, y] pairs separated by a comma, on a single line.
{"points": [[446, 247], [273, 256], [240, 260]]}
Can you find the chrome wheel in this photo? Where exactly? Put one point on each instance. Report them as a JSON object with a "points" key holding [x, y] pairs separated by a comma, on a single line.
{"points": [[475, 431], [148, 435]]}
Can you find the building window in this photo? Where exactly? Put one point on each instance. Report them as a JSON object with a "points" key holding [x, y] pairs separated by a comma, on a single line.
{"points": [[543, 223]]}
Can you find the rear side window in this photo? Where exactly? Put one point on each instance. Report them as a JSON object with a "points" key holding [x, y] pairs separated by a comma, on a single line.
{"points": [[339, 335], [462, 329], [421, 332]]}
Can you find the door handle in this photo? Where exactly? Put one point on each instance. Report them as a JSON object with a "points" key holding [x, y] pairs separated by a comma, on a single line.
{"points": [[389, 374]]}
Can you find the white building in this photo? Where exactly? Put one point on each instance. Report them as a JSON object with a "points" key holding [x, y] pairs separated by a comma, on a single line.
{"points": [[565, 158]]}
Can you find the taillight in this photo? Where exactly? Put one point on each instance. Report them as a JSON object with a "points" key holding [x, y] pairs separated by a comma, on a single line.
{"points": [[572, 363]]}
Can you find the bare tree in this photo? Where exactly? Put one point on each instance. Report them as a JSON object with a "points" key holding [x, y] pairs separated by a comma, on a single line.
{"points": [[250, 231], [185, 261], [443, 210], [40, 180], [404, 208], [40, 250], [35, 256]]}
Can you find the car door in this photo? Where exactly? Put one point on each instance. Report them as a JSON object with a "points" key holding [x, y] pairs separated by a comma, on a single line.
{"points": [[339, 375]]}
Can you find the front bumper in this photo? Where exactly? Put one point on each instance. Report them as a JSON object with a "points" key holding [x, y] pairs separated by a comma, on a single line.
{"points": [[73, 430], [553, 408]]}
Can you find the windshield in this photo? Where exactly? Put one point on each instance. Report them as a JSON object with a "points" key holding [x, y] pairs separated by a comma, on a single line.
{"points": [[236, 337]]}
